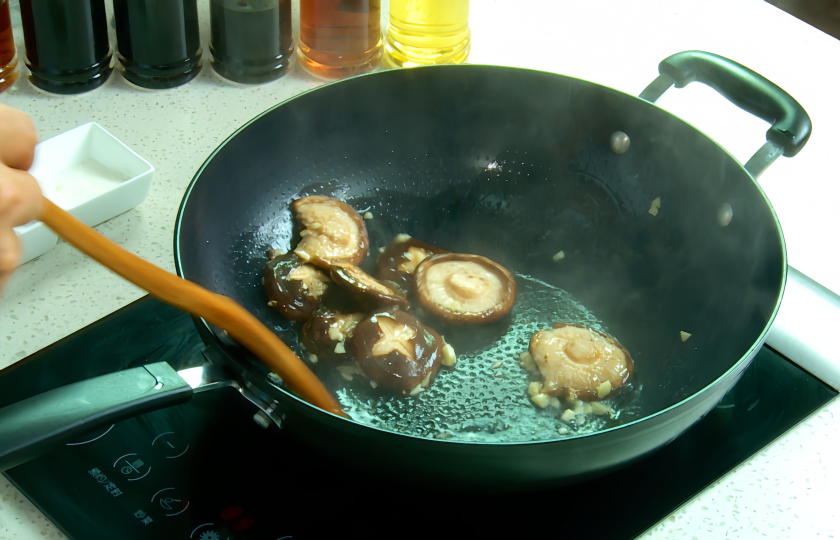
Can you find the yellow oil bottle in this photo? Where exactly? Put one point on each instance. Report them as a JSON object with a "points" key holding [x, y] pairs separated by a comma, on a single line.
{"points": [[425, 32]]}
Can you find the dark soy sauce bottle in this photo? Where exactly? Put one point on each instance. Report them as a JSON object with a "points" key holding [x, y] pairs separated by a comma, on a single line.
{"points": [[157, 41], [251, 40], [67, 49]]}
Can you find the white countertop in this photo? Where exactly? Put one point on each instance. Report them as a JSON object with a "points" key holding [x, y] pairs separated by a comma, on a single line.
{"points": [[785, 491]]}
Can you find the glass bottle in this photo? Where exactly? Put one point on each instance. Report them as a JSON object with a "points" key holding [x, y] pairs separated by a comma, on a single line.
{"points": [[67, 49], [339, 37], [9, 67], [251, 40], [157, 41], [425, 32]]}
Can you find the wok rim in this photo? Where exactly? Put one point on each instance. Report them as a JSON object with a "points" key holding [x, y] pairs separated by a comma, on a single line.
{"points": [[748, 355]]}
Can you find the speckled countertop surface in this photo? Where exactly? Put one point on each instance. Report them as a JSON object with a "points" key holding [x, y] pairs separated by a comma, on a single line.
{"points": [[786, 491]]}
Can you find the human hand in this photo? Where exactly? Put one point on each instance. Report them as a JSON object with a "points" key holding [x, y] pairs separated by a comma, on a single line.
{"points": [[20, 195]]}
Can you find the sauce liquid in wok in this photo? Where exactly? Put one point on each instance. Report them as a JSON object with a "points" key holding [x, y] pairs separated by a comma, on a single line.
{"points": [[472, 401]]}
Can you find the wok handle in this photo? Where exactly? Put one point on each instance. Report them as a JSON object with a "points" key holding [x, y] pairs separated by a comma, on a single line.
{"points": [[791, 125], [37, 425]]}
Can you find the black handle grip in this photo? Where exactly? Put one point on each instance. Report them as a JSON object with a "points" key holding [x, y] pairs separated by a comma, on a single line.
{"points": [[34, 426], [791, 125]]}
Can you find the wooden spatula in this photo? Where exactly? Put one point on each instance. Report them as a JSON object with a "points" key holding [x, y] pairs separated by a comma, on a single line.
{"points": [[195, 300]]}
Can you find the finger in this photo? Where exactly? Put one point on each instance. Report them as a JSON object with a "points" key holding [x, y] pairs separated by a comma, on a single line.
{"points": [[20, 197], [18, 138], [10, 251], [4, 278]]}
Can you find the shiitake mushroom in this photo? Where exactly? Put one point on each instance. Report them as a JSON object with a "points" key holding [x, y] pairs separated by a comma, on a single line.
{"points": [[294, 287], [395, 266], [464, 289], [396, 350], [327, 332], [367, 292], [333, 232], [578, 362]]}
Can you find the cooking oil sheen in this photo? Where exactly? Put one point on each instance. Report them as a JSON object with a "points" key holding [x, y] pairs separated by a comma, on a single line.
{"points": [[484, 397], [426, 32]]}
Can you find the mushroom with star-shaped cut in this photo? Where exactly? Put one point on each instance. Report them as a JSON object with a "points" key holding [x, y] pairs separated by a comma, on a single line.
{"points": [[396, 350]]}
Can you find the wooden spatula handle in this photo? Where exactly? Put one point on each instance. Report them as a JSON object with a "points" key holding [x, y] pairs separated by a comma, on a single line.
{"points": [[195, 300]]}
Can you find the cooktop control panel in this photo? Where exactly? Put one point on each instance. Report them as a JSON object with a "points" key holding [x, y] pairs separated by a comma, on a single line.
{"points": [[202, 471]]}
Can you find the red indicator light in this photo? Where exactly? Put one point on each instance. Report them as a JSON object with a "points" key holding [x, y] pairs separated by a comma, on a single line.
{"points": [[243, 523], [231, 512]]}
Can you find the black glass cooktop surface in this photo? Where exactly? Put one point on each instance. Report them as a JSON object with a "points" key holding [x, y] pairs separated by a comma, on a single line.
{"points": [[206, 471]]}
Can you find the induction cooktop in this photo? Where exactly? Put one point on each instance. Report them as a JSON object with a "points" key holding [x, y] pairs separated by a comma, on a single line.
{"points": [[216, 469]]}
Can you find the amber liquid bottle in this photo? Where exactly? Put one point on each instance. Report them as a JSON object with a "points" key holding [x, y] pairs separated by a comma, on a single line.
{"points": [[67, 49], [9, 67], [339, 37], [427, 32]]}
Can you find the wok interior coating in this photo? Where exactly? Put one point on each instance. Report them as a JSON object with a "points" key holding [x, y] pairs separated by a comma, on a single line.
{"points": [[513, 165]]}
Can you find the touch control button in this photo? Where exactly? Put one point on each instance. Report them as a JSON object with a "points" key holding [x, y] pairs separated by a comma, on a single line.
{"points": [[169, 443], [132, 466], [206, 531], [171, 502]]}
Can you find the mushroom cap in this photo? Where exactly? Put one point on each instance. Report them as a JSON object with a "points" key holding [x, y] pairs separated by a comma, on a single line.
{"points": [[575, 360], [293, 287], [365, 289], [333, 232], [396, 265], [325, 330], [396, 350], [465, 289]]}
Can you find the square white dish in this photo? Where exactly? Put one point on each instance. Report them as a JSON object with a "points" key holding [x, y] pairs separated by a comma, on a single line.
{"points": [[36, 239], [91, 174]]}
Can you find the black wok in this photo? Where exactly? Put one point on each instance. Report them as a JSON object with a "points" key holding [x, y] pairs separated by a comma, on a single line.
{"points": [[515, 165]]}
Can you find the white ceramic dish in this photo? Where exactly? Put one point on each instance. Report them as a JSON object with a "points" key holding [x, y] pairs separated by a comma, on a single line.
{"points": [[91, 174]]}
